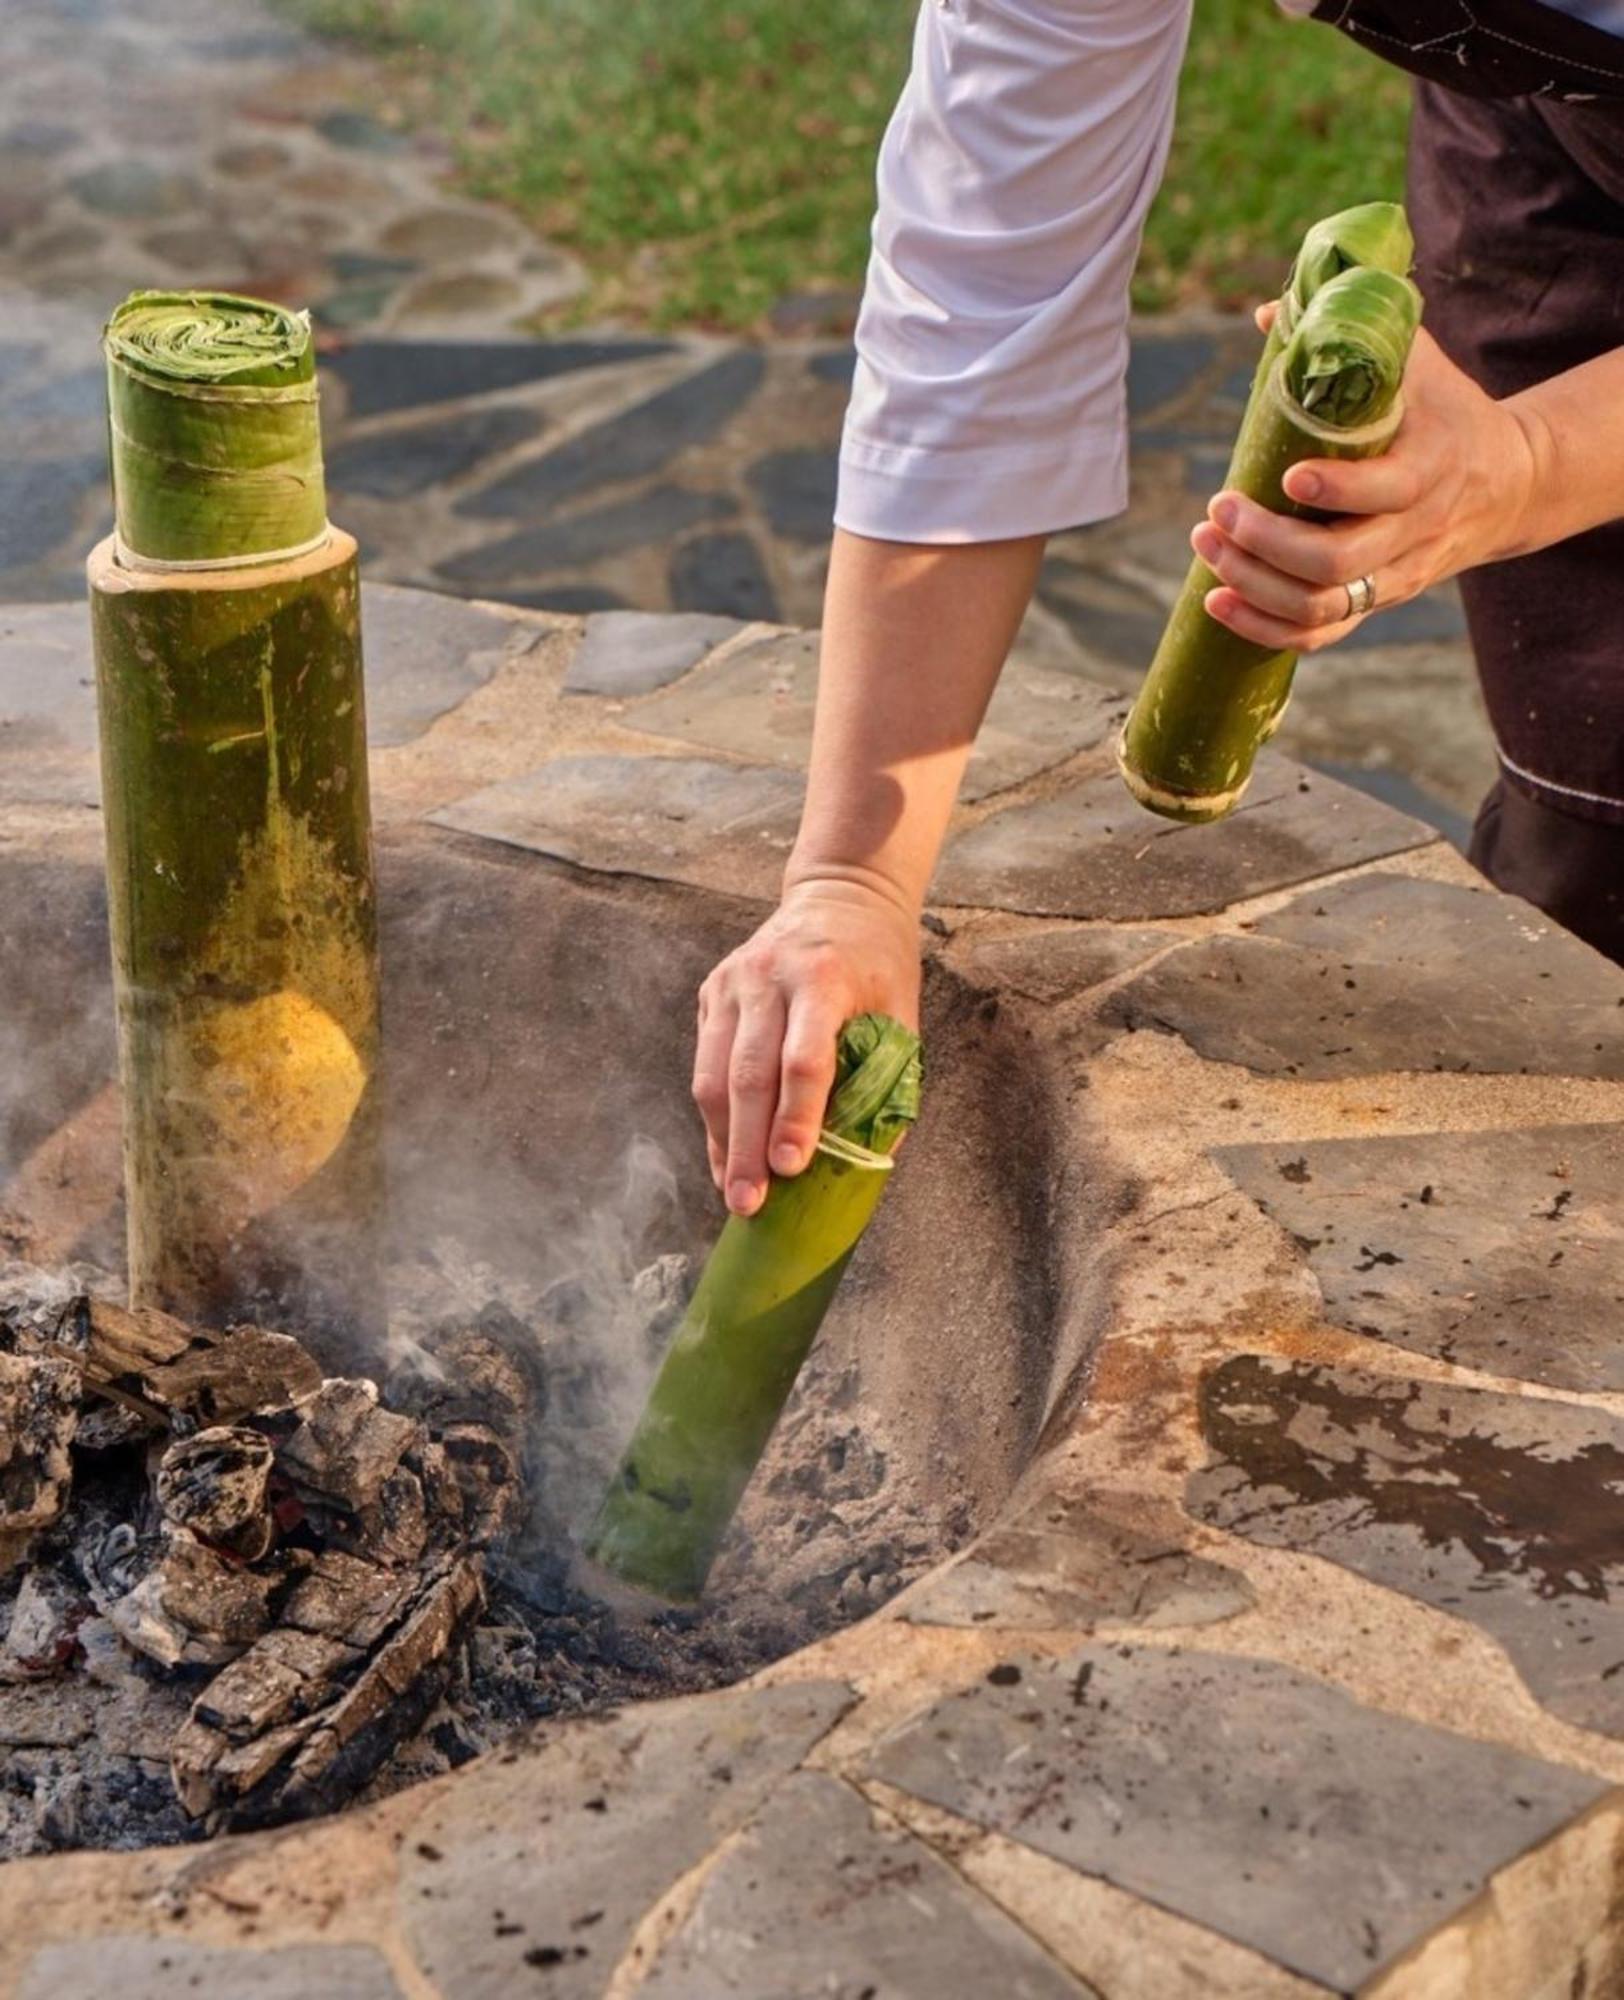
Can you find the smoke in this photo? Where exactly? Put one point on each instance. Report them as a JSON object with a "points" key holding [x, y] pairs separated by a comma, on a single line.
{"points": [[603, 1290]]}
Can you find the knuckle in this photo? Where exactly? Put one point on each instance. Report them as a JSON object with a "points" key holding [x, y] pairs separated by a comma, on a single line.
{"points": [[802, 1067], [1248, 530], [750, 1076], [708, 1092]]}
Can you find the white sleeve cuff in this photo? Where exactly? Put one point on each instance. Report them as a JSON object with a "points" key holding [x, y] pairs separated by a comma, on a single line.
{"points": [[920, 493], [992, 343]]}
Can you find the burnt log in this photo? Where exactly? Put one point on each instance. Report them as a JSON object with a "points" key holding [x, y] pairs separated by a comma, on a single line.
{"points": [[42, 1639], [246, 1371], [306, 1716], [216, 1485], [110, 1426], [483, 1375], [481, 1408], [253, 1716], [399, 1686], [397, 1528], [489, 1480], [341, 1597], [309, 1552], [196, 1607], [39, 1409], [347, 1446], [160, 1366]]}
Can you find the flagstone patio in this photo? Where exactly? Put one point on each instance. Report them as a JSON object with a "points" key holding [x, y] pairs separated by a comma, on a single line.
{"points": [[1287, 1665]]}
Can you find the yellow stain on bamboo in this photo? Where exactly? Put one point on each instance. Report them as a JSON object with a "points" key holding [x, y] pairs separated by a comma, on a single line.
{"points": [[280, 1082], [256, 1082]]}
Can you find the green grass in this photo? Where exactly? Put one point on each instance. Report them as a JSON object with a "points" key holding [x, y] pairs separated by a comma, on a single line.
{"points": [[709, 157], [1280, 122]]}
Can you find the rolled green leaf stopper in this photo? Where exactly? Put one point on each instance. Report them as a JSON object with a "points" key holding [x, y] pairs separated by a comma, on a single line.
{"points": [[1344, 365], [215, 430], [750, 1325], [879, 1072], [1329, 386], [1374, 236]]}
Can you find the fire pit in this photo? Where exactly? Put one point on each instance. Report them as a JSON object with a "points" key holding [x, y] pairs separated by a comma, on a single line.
{"points": [[1098, 1622], [306, 1562]]}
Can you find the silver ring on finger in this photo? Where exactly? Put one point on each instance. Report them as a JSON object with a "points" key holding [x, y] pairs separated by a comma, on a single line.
{"points": [[1361, 596]]}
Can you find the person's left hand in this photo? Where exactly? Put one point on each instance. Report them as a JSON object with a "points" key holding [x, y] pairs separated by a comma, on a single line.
{"points": [[1452, 491]]}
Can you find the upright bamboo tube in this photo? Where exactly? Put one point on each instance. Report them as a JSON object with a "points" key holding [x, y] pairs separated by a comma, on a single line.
{"points": [[233, 740]]}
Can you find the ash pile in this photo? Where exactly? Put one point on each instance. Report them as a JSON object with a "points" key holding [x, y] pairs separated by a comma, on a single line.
{"points": [[230, 1586], [236, 1590]]}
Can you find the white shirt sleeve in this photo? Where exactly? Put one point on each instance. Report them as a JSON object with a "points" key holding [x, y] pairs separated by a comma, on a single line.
{"points": [[989, 399]]}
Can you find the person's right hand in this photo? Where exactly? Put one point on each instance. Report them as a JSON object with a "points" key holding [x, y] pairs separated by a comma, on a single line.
{"points": [[769, 1017]]}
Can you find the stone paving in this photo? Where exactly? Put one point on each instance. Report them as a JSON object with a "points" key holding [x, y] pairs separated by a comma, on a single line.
{"points": [[172, 142], [1285, 1661]]}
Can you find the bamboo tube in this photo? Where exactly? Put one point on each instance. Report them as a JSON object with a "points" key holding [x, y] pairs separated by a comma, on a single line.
{"points": [[1328, 386], [749, 1327], [241, 904]]}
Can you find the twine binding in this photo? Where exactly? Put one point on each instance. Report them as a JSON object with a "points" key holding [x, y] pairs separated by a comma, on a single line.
{"points": [[131, 559]]}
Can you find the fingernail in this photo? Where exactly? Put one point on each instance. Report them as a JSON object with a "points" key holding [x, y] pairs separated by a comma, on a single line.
{"points": [[743, 1197], [786, 1159], [1205, 541], [1225, 513], [1306, 486]]}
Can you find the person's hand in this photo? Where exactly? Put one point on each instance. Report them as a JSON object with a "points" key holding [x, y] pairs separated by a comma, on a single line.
{"points": [[1454, 490], [769, 1017]]}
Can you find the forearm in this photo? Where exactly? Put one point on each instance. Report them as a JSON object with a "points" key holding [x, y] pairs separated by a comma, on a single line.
{"points": [[1574, 425], [913, 641]]}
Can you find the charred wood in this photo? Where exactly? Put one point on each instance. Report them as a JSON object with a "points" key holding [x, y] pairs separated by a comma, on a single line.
{"points": [[39, 1409]]}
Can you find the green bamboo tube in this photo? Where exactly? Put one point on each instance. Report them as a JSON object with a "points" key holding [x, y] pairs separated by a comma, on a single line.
{"points": [[749, 1327], [241, 904], [214, 429], [1328, 386]]}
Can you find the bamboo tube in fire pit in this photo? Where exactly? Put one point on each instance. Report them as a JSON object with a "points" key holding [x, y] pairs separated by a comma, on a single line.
{"points": [[228, 666], [750, 1326]]}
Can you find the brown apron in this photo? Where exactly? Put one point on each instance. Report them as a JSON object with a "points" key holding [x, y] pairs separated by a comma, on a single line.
{"points": [[1517, 197]]}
